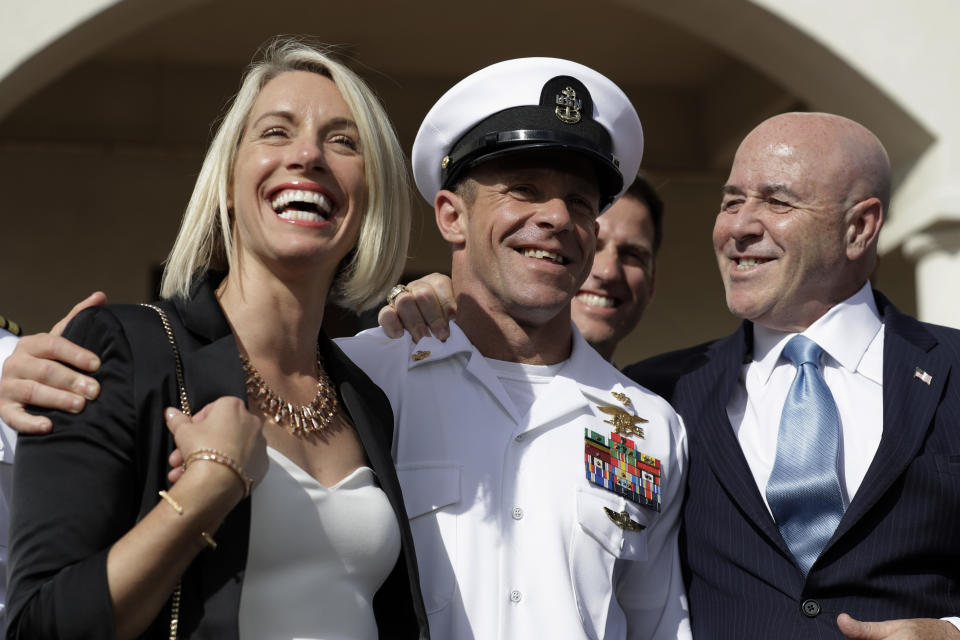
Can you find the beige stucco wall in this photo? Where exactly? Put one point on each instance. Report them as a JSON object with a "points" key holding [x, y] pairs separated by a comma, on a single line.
{"points": [[911, 52]]}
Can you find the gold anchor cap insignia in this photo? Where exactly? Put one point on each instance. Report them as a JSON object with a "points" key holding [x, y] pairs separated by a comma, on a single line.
{"points": [[624, 423], [623, 520], [568, 106], [420, 355]]}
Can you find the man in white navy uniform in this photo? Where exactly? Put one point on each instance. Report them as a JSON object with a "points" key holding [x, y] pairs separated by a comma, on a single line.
{"points": [[499, 427]]}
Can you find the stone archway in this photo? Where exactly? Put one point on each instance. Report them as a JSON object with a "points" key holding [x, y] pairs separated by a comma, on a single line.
{"points": [[39, 41], [810, 67]]}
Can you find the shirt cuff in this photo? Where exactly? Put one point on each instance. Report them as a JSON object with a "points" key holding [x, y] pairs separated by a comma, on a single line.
{"points": [[954, 621]]}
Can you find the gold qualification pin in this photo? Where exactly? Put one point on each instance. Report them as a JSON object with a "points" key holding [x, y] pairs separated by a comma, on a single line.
{"points": [[623, 423], [623, 520]]}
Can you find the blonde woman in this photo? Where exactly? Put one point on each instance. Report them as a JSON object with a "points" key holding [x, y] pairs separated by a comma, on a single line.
{"points": [[302, 199]]}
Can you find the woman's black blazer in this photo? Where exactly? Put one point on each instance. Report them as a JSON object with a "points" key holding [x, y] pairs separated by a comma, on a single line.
{"points": [[82, 486]]}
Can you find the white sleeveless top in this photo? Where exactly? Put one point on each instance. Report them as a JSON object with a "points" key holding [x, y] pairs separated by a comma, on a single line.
{"points": [[317, 555]]}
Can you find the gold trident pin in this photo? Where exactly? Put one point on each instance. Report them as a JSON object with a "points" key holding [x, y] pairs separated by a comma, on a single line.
{"points": [[623, 423], [623, 520]]}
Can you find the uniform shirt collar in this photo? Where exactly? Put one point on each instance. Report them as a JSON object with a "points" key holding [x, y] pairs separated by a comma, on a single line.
{"points": [[458, 342], [430, 349], [845, 333], [602, 378]]}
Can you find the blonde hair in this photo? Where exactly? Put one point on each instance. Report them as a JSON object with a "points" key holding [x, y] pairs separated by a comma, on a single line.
{"points": [[376, 262]]}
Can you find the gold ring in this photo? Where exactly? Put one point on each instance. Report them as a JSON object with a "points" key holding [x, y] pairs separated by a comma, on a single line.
{"points": [[396, 291]]}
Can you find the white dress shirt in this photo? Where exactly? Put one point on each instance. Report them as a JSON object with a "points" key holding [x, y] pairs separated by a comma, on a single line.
{"points": [[851, 336], [512, 539]]}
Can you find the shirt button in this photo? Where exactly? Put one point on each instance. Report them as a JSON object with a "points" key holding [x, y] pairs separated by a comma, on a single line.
{"points": [[516, 596], [517, 513], [519, 437], [810, 608]]}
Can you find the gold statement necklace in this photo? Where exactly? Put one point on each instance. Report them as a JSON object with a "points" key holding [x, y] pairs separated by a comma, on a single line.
{"points": [[300, 419]]}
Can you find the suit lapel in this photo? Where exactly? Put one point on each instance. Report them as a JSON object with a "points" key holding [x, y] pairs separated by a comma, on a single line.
{"points": [[210, 356], [213, 371], [712, 437], [909, 405]]}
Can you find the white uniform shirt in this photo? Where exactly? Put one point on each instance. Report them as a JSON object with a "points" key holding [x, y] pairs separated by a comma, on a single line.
{"points": [[8, 443], [512, 539]]}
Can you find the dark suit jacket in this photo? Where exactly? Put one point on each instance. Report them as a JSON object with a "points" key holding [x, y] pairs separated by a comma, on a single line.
{"points": [[81, 487], [896, 552]]}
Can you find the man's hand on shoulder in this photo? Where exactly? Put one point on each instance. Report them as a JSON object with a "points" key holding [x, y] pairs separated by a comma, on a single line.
{"points": [[425, 307], [38, 373], [908, 629]]}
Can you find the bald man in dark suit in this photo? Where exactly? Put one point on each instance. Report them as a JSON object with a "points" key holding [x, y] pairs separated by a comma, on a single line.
{"points": [[783, 534]]}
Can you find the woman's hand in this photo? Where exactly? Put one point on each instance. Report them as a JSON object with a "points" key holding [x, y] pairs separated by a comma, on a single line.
{"points": [[144, 565], [224, 425]]}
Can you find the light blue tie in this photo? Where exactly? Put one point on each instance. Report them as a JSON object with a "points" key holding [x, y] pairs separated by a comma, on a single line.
{"points": [[804, 490]]}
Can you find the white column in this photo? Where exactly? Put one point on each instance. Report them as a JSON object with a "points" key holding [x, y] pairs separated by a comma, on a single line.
{"points": [[937, 254]]}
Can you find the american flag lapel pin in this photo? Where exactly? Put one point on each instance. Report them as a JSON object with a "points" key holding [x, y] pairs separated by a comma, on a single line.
{"points": [[923, 376]]}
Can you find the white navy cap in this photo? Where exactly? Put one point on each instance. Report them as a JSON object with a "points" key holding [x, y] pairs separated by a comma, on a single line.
{"points": [[525, 104]]}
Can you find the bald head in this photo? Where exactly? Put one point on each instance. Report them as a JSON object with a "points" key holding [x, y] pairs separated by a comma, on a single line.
{"points": [[835, 154], [801, 211]]}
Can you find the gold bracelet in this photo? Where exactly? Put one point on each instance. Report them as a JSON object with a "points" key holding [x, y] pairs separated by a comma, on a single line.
{"points": [[208, 539], [173, 503], [169, 499], [214, 455]]}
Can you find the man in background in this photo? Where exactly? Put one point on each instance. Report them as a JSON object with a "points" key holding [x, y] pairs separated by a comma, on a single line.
{"points": [[612, 300]]}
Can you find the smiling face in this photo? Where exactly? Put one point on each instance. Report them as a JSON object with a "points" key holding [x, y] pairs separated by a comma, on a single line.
{"points": [[298, 190], [614, 296], [525, 241], [790, 239]]}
